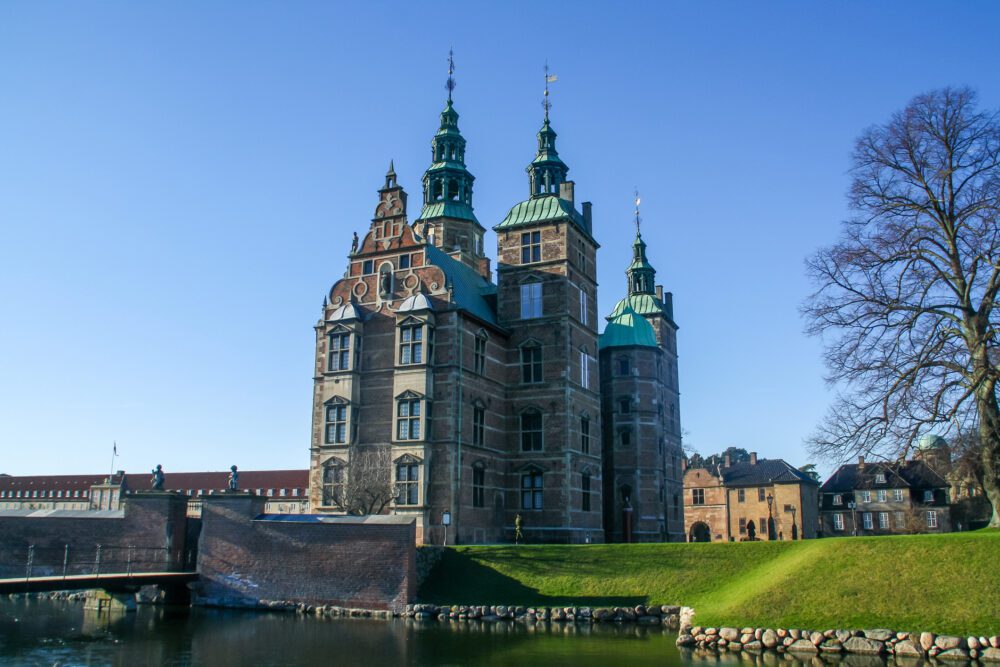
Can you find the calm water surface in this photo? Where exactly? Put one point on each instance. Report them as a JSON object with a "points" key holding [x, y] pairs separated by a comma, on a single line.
{"points": [[49, 632]]}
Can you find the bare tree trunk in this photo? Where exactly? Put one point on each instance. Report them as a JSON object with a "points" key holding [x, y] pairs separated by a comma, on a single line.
{"points": [[989, 435]]}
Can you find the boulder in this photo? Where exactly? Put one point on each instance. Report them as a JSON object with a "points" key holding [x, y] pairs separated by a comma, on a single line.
{"points": [[735, 646], [816, 638], [802, 646], [842, 635], [927, 640], [948, 642], [769, 639], [754, 645], [729, 634], [995, 641], [746, 637], [831, 646], [880, 634], [864, 646], [685, 640], [991, 654], [781, 632], [953, 654], [909, 649], [972, 642]]}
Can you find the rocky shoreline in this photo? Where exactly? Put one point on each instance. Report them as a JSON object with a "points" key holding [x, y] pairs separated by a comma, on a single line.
{"points": [[875, 642]]}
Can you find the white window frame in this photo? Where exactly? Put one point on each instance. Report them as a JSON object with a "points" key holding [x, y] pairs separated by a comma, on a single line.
{"points": [[838, 499], [897, 495], [584, 369], [882, 495], [866, 520], [866, 496], [838, 522], [883, 520], [932, 520]]}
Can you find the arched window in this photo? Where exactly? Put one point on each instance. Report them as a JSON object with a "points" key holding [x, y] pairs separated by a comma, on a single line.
{"points": [[531, 430], [407, 481], [333, 483]]}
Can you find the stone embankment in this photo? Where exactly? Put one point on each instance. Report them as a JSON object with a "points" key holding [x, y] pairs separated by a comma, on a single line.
{"points": [[877, 642]]}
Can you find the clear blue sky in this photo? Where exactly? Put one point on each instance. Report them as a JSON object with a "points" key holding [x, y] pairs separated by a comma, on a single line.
{"points": [[179, 183]]}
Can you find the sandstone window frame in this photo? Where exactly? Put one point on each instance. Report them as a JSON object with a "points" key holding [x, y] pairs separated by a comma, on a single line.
{"points": [[334, 477], [697, 496], [478, 423], [531, 362], [584, 368], [531, 247], [531, 429], [479, 484], [585, 433], [408, 478], [414, 344], [532, 299], [584, 313], [337, 415], [480, 341], [339, 347], [410, 415], [532, 489]]}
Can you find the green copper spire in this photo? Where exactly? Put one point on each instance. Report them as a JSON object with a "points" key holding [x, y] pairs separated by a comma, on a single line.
{"points": [[447, 183], [641, 274], [547, 171]]}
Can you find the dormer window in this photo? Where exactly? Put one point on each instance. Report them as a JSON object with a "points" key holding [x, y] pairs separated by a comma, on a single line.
{"points": [[880, 478]]}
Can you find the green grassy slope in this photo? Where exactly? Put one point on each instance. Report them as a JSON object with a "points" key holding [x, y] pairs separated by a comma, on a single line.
{"points": [[944, 583]]}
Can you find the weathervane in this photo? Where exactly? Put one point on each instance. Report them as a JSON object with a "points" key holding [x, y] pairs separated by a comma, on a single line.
{"points": [[637, 218], [450, 85], [549, 78]]}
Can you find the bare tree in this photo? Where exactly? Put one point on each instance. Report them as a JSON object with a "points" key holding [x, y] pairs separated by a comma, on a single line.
{"points": [[906, 300], [364, 484]]}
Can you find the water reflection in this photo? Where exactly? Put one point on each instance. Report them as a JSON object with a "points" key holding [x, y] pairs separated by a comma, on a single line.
{"points": [[43, 632]]}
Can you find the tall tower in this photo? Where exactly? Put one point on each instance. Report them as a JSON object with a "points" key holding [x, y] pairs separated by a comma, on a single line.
{"points": [[447, 220], [547, 298], [643, 483]]}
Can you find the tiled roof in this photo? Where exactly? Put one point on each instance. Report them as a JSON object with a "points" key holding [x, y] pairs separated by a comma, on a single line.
{"points": [[470, 288], [765, 471], [177, 481], [905, 474]]}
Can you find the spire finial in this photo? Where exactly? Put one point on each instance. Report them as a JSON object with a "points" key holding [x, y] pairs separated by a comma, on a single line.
{"points": [[450, 84], [549, 78], [637, 218]]}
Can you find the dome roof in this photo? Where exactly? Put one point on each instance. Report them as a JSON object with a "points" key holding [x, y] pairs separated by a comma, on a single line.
{"points": [[627, 329], [415, 302], [346, 312], [930, 441]]}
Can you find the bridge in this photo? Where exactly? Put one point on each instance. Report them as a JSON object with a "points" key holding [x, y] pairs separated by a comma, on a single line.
{"points": [[109, 581]]}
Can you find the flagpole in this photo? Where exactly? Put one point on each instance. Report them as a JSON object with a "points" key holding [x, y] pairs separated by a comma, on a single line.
{"points": [[114, 453]]}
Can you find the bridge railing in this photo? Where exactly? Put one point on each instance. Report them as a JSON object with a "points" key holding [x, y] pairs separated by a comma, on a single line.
{"points": [[69, 560]]}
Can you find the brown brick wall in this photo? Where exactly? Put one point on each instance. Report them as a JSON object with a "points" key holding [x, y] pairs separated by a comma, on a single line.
{"points": [[345, 562], [152, 524]]}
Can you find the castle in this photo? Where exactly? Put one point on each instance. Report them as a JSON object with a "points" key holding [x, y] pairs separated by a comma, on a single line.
{"points": [[497, 399]]}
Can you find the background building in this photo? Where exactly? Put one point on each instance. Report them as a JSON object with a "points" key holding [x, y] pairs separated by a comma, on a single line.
{"points": [[488, 395], [721, 505], [875, 498]]}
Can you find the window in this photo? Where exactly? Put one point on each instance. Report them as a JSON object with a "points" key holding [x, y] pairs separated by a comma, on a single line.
{"points": [[336, 424], [531, 247], [897, 495], [531, 491], [585, 490], [866, 496], [531, 431], [928, 496], [407, 483], [743, 526], [866, 519], [478, 425], [883, 520], [880, 478], [411, 345], [697, 496], [531, 364], [478, 486], [838, 521], [762, 494], [283, 492], [585, 435], [531, 300], [583, 307], [479, 355], [838, 499], [932, 521], [623, 366], [882, 495], [408, 415], [404, 261], [624, 405], [368, 267], [626, 438], [584, 369], [741, 495], [338, 357], [900, 518]]}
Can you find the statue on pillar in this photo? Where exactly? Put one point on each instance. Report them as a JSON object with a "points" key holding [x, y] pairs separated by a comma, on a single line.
{"points": [[234, 479], [157, 480]]}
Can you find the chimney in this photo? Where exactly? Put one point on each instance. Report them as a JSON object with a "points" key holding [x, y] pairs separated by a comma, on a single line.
{"points": [[588, 216], [659, 292], [684, 464], [727, 461], [861, 462], [753, 458], [566, 191], [668, 303]]}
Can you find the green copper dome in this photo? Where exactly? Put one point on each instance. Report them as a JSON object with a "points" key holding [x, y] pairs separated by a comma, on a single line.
{"points": [[447, 182], [540, 209], [643, 304], [627, 329]]}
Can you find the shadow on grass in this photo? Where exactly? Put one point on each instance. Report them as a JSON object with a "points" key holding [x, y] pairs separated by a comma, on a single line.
{"points": [[460, 579]]}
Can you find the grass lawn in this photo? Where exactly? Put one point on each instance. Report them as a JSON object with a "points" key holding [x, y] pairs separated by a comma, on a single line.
{"points": [[944, 583]]}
